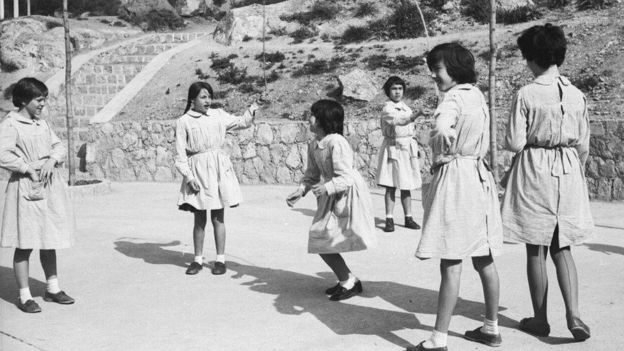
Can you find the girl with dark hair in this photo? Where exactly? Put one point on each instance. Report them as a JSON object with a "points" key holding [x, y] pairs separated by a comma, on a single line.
{"points": [[343, 221], [209, 182], [546, 203], [38, 211], [397, 164], [461, 209]]}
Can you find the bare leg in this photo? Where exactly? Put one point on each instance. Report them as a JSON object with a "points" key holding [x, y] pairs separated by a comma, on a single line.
{"points": [[406, 201], [389, 200], [218, 225], [449, 290], [538, 280], [337, 265], [21, 267], [486, 268], [48, 262], [199, 232]]}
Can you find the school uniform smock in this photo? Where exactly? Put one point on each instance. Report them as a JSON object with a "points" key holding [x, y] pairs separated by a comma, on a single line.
{"points": [[200, 139], [549, 131], [344, 219], [397, 163], [28, 222], [461, 209]]}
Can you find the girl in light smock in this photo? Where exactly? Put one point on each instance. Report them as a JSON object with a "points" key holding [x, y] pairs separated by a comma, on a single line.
{"points": [[209, 182], [344, 219], [38, 211], [461, 209], [398, 165], [546, 203]]}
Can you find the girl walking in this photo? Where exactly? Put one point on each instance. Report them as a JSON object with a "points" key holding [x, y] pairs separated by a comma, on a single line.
{"points": [[37, 208], [461, 210], [209, 182], [546, 204], [398, 165], [343, 221]]}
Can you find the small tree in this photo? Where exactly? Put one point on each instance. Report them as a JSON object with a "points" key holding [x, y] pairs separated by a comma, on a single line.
{"points": [[69, 119]]}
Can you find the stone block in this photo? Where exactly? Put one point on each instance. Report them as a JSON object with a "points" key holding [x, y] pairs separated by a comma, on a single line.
{"points": [[288, 133], [607, 169], [163, 174], [283, 175], [293, 160], [264, 134], [249, 151], [618, 189], [163, 157], [597, 129]]}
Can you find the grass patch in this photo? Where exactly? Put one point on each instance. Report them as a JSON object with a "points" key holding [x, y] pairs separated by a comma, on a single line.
{"points": [[403, 23], [301, 34], [233, 75], [317, 67], [365, 9], [518, 15], [594, 4]]}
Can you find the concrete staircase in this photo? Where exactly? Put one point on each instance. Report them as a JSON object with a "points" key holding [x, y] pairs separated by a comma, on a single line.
{"points": [[99, 80]]}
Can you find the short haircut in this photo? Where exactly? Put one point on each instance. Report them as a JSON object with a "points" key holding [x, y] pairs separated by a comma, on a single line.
{"points": [[194, 90], [27, 89], [545, 45], [330, 116], [393, 80], [459, 62]]}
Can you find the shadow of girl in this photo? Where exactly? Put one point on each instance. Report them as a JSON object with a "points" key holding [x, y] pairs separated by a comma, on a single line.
{"points": [[9, 291], [153, 253], [298, 293]]}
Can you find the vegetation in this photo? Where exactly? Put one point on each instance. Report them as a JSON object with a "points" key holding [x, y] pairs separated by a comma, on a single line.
{"points": [[365, 9], [317, 67], [594, 4], [156, 20], [479, 10], [400, 62], [403, 23], [323, 10], [233, 75], [355, 34], [301, 34], [272, 57]]}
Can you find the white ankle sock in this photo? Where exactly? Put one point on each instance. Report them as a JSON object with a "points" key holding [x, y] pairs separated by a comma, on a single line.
{"points": [[199, 259], [24, 295], [52, 286], [350, 282], [220, 258], [490, 327], [389, 216], [437, 339]]}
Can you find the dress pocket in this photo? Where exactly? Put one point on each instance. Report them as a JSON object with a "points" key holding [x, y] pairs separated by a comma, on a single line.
{"points": [[33, 191], [341, 204]]}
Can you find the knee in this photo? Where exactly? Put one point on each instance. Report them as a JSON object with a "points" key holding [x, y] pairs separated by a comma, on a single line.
{"points": [[451, 267], [480, 263], [21, 255]]}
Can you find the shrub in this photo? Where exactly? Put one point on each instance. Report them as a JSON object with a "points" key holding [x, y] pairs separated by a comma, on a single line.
{"points": [[271, 57], [302, 33], [401, 62], [365, 9], [594, 4], [354, 34], [316, 67], [518, 15], [586, 83], [272, 77], [247, 38], [244, 3], [156, 20], [248, 88], [415, 93], [233, 75], [219, 63], [403, 23], [278, 32], [324, 10], [479, 10], [221, 94], [200, 74], [555, 4]]}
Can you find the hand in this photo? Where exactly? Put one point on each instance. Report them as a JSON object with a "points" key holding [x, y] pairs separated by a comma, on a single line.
{"points": [[194, 185], [46, 170], [32, 174], [294, 197], [319, 189]]}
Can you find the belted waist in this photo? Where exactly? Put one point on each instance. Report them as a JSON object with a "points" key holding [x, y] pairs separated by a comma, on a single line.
{"points": [[562, 164], [483, 168], [191, 154]]}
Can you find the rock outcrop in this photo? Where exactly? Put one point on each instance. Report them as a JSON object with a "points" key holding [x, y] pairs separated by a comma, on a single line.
{"points": [[358, 85]]}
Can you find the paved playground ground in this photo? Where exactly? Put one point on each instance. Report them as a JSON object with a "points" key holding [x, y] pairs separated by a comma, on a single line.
{"points": [[126, 273]]}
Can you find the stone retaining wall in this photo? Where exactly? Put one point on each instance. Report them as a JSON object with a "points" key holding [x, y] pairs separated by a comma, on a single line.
{"points": [[269, 152], [605, 166]]}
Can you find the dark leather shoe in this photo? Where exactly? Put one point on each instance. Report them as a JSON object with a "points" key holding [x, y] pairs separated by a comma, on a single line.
{"points": [[389, 225], [218, 268], [333, 289], [534, 327], [420, 347], [484, 338], [60, 297], [29, 306], [193, 268], [343, 294], [411, 224], [579, 330]]}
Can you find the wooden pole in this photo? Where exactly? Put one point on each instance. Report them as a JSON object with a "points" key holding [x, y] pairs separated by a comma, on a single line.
{"points": [[15, 8], [492, 91], [1, 10], [27, 7], [69, 119], [263, 46]]}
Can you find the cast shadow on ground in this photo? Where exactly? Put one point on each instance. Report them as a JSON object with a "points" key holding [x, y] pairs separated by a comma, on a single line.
{"points": [[297, 293], [305, 211], [154, 253], [606, 249], [8, 286]]}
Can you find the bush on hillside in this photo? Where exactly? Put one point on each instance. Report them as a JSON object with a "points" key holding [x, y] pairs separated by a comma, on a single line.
{"points": [[479, 10], [400, 62], [416, 92], [365, 9], [403, 23], [594, 4], [317, 67], [557, 4], [586, 83], [355, 34], [301, 34], [157, 20], [323, 10], [274, 57], [47, 7], [520, 14], [243, 3], [233, 75]]}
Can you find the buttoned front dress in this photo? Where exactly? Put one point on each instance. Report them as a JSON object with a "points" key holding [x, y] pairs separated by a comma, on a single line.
{"points": [[200, 155], [46, 223], [397, 163], [461, 209], [549, 131], [344, 219]]}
